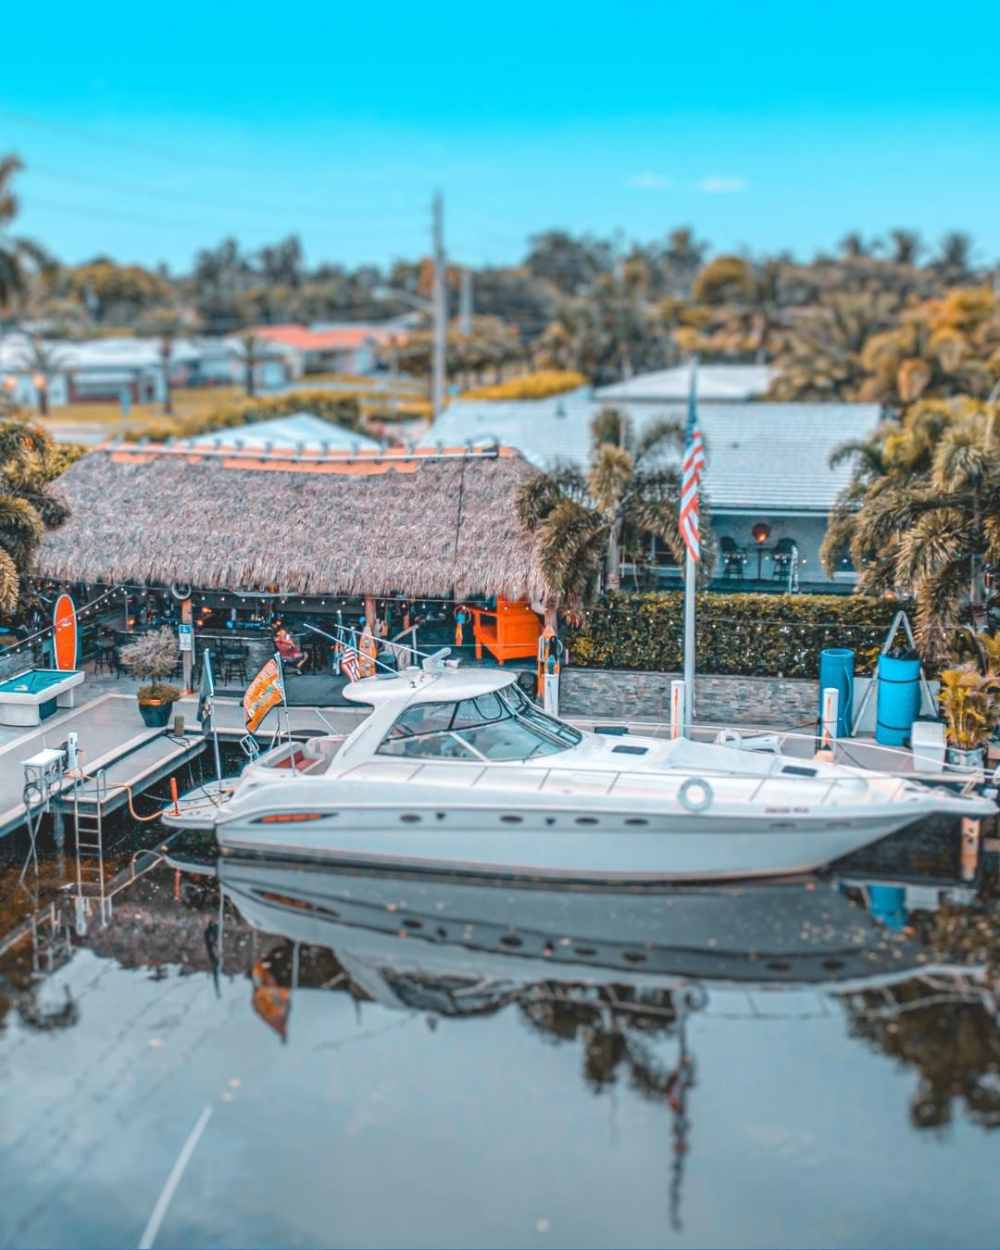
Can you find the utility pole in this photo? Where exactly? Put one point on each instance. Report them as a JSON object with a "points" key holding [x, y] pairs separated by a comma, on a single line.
{"points": [[465, 302], [440, 310], [621, 292]]}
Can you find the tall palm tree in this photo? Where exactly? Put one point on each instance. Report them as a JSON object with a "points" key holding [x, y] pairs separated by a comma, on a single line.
{"points": [[28, 461], [921, 515], [253, 350], [579, 518], [42, 361], [17, 255]]}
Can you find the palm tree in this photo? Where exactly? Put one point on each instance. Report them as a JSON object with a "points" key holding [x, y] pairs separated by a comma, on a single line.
{"points": [[17, 255], [43, 361], [921, 515], [253, 350], [164, 324], [28, 461], [820, 356], [580, 519]]}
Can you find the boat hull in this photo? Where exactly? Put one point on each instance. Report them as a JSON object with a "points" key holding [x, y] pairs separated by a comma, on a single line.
{"points": [[553, 846]]}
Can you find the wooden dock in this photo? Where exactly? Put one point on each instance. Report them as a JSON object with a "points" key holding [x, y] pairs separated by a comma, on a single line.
{"points": [[113, 739]]}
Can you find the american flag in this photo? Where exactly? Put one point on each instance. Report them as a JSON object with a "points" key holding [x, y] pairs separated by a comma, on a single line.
{"points": [[350, 663], [692, 467]]}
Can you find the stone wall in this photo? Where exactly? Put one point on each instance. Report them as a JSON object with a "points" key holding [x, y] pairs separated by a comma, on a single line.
{"points": [[616, 694]]}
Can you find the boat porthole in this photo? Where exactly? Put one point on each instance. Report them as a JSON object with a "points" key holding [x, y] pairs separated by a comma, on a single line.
{"points": [[633, 957], [550, 820], [440, 815], [586, 820], [511, 939], [779, 965], [512, 820], [441, 931], [833, 965], [587, 952], [410, 818], [636, 820], [413, 924]]}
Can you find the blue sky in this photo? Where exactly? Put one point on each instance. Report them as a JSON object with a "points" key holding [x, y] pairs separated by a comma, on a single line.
{"points": [[151, 130]]}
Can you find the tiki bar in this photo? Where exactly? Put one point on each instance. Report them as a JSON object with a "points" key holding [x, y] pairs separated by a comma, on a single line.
{"points": [[422, 546]]}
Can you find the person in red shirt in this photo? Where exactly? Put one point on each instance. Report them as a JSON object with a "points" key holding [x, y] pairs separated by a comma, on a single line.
{"points": [[292, 656]]}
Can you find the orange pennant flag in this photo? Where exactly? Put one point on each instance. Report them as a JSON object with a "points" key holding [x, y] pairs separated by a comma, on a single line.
{"points": [[263, 693]]}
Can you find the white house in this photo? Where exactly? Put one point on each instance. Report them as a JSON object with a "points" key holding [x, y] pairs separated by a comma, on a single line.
{"points": [[768, 479]]}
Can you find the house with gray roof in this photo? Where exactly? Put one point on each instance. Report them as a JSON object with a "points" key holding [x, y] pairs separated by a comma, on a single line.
{"points": [[768, 480]]}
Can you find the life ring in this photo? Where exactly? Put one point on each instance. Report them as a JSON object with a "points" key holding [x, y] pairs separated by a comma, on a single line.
{"points": [[181, 591], [694, 804]]}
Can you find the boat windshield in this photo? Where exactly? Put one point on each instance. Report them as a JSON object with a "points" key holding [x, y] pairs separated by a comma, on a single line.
{"points": [[502, 725]]}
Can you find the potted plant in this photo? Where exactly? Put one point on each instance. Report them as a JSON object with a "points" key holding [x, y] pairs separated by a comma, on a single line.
{"points": [[151, 658], [970, 704]]}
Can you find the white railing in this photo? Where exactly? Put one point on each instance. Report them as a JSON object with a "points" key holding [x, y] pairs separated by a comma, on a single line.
{"points": [[615, 775]]}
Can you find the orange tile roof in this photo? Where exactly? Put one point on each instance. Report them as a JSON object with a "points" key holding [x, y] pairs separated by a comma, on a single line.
{"points": [[320, 340]]}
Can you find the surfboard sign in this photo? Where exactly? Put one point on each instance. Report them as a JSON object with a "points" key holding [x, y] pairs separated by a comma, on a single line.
{"points": [[64, 634]]}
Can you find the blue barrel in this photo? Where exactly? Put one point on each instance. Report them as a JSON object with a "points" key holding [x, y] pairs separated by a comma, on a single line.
{"points": [[887, 903], [836, 671], [898, 702]]}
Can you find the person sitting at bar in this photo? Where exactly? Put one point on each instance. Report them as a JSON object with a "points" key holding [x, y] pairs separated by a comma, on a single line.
{"points": [[292, 655]]}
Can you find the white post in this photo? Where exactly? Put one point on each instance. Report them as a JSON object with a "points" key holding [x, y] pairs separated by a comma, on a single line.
{"points": [[677, 702], [689, 601], [831, 705], [440, 311], [465, 302]]}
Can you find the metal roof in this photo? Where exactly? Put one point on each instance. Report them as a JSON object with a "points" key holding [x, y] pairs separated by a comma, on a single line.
{"points": [[291, 431], [716, 383], [760, 456]]}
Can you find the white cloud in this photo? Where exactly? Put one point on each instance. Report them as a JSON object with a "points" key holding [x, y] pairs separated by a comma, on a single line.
{"points": [[648, 181], [722, 186]]}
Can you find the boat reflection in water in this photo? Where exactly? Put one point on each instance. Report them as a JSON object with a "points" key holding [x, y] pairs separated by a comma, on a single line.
{"points": [[620, 974]]}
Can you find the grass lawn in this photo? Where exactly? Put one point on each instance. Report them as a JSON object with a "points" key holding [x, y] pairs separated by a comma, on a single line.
{"points": [[107, 416]]}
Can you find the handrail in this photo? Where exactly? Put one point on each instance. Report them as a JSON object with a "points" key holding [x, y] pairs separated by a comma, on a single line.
{"points": [[545, 775]]}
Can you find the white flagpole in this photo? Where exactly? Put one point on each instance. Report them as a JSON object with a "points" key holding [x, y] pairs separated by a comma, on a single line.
{"points": [[690, 577]]}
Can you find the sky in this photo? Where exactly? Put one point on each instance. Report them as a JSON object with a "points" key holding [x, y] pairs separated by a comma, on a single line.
{"points": [[149, 131]]}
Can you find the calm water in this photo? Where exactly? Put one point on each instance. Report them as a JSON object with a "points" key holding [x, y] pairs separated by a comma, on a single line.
{"points": [[390, 1062]]}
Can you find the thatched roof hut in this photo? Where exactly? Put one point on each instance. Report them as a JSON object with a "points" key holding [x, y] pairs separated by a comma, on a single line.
{"points": [[426, 522]]}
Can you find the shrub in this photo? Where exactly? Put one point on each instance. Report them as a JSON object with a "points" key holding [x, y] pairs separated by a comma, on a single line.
{"points": [[341, 408], [538, 385], [746, 635], [153, 656]]}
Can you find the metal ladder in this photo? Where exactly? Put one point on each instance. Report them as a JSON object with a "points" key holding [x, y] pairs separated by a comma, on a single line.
{"points": [[89, 833], [50, 939]]}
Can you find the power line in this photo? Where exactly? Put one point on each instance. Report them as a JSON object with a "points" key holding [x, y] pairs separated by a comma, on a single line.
{"points": [[182, 197]]}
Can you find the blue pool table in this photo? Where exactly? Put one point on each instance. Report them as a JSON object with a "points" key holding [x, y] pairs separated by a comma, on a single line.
{"points": [[30, 697]]}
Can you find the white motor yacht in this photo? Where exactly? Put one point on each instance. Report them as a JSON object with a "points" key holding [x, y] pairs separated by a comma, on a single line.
{"points": [[458, 770]]}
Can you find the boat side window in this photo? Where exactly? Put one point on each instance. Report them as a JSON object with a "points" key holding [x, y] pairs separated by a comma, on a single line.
{"points": [[422, 718], [520, 704], [437, 746], [481, 710]]}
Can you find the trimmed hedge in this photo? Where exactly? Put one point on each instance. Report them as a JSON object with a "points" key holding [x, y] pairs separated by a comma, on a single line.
{"points": [[745, 635], [342, 408]]}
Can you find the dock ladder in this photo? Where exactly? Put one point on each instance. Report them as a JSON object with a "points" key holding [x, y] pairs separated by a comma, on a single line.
{"points": [[89, 833], [50, 940]]}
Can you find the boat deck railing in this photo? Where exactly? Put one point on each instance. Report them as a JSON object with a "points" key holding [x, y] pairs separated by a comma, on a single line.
{"points": [[484, 774]]}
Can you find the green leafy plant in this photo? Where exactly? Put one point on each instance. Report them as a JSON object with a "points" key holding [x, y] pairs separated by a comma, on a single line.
{"points": [[970, 704]]}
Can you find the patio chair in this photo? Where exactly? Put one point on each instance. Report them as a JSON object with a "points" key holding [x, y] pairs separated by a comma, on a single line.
{"points": [[781, 559], [734, 558]]}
